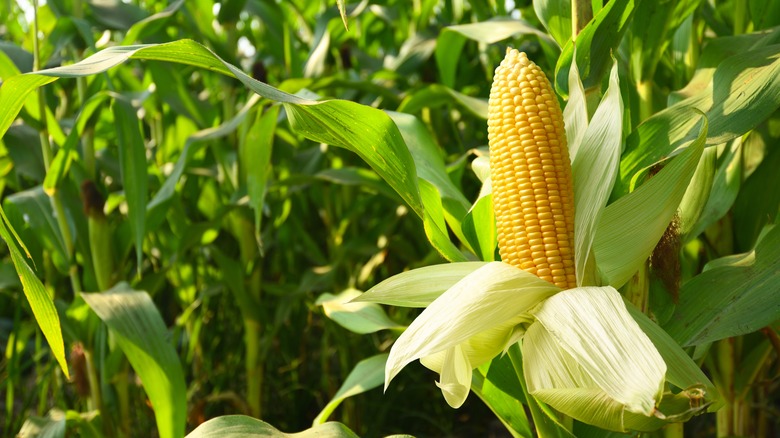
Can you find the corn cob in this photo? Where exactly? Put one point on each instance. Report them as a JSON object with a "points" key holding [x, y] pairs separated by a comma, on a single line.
{"points": [[533, 196]]}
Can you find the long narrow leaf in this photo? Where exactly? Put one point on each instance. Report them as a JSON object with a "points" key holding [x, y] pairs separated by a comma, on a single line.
{"points": [[375, 138], [132, 161], [40, 301], [142, 336]]}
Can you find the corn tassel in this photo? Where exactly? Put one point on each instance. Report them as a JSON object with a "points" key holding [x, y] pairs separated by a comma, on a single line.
{"points": [[533, 195]]}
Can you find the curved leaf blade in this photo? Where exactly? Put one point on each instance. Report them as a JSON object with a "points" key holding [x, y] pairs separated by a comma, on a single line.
{"points": [[141, 334]]}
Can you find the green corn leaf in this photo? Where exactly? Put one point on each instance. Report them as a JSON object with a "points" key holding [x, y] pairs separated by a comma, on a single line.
{"points": [[479, 228], [738, 295], [755, 205], [489, 381], [331, 122], [65, 155], [240, 426], [132, 161], [233, 276], [452, 39], [546, 420], [681, 370], [555, 15], [725, 186], [367, 375], [256, 160], [435, 224], [195, 142], [630, 228], [34, 207], [744, 91], [650, 35], [430, 167], [142, 336], [595, 42], [357, 317], [698, 192], [37, 296], [436, 95], [151, 24]]}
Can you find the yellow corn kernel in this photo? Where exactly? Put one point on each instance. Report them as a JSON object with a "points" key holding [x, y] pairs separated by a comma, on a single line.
{"points": [[533, 196]]}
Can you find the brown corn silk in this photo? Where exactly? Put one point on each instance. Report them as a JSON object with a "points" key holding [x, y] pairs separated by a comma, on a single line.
{"points": [[533, 195]]}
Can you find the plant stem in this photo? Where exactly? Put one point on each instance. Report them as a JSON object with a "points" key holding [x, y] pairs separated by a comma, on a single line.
{"points": [[725, 360], [674, 430], [644, 89], [95, 400], [581, 14], [740, 15], [59, 210]]}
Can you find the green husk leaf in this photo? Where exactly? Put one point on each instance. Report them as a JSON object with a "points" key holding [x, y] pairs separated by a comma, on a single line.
{"points": [[495, 294], [594, 170], [480, 230], [585, 340], [575, 114], [630, 227]]}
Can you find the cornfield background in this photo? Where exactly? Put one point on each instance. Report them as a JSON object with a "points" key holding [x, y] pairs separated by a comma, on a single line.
{"points": [[186, 211]]}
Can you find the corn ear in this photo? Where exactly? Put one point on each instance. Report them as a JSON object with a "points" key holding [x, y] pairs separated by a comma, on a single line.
{"points": [[533, 194]]}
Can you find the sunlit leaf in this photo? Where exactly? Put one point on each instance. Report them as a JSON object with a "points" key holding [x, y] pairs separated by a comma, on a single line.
{"points": [[732, 299], [367, 375], [744, 91], [357, 317], [329, 122], [595, 42], [240, 426], [143, 337], [493, 295], [585, 340], [39, 298], [555, 15], [419, 287], [594, 170]]}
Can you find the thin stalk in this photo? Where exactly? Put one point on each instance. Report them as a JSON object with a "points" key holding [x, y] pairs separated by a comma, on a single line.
{"points": [[581, 14], [95, 400], [726, 415], [48, 156], [740, 17], [674, 430], [644, 89], [253, 329], [123, 397]]}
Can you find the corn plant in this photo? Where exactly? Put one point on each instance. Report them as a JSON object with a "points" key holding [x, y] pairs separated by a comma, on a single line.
{"points": [[607, 267]]}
